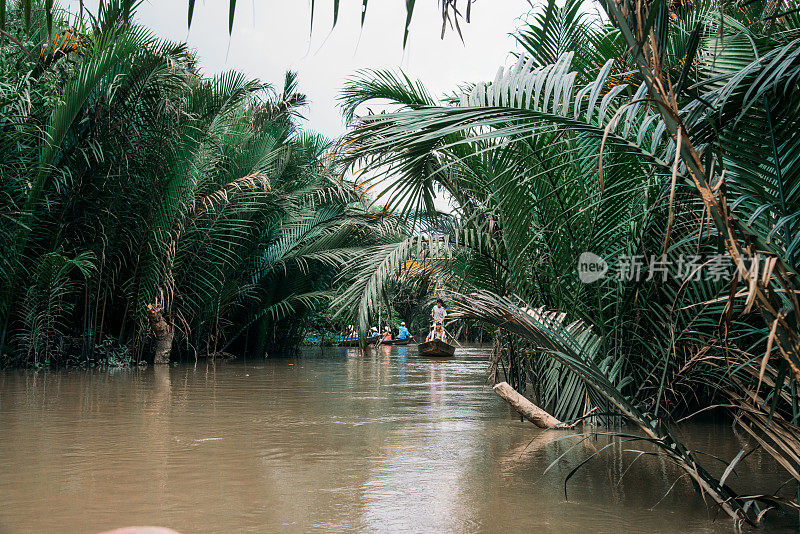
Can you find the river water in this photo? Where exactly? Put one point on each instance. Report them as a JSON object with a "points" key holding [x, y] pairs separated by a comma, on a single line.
{"points": [[329, 441]]}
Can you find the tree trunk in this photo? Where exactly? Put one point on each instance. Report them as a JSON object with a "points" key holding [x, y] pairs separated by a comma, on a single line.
{"points": [[163, 331], [526, 408]]}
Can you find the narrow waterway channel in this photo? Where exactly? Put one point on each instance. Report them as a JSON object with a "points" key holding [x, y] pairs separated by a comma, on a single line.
{"points": [[328, 441]]}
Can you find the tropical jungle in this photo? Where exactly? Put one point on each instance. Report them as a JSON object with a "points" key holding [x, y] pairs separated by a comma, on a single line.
{"points": [[621, 230]]}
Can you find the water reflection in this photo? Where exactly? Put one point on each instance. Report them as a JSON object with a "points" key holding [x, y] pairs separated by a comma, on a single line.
{"points": [[336, 440], [402, 353]]}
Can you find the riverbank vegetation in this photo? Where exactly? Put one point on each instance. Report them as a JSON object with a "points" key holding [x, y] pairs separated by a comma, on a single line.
{"points": [[666, 136], [149, 212]]}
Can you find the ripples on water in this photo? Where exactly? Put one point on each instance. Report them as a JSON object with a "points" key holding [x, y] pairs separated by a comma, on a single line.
{"points": [[331, 441]]}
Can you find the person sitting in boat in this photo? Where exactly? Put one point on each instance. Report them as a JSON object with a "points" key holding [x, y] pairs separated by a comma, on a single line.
{"points": [[351, 333], [403, 333], [437, 333], [438, 313], [387, 334]]}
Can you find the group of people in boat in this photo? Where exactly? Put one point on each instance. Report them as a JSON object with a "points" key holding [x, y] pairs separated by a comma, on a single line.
{"points": [[351, 334], [438, 313], [388, 335], [437, 332]]}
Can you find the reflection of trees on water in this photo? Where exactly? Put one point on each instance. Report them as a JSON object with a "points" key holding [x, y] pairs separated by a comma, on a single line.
{"points": [[157, 430], [616, 475], [339, 441]]}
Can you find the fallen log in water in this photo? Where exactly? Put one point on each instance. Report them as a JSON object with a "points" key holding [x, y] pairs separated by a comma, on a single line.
{"points": [[526, 408]]}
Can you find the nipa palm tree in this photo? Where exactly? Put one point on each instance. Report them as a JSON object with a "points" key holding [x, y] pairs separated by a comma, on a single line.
{"points": [[558, 156], [166, 212]]}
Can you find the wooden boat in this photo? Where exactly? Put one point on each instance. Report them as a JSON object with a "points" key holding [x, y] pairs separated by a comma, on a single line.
{"points": [[436, 348], [397, 342], [354, 342]]}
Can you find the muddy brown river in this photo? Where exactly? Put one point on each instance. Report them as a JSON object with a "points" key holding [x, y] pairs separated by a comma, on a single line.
{"points": [[330, 441]]}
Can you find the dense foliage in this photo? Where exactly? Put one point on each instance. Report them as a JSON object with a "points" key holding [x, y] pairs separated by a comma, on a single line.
{"points": [[665, 137], [130, 182]]}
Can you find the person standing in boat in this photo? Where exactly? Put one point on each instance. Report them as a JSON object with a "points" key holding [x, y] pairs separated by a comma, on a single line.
{"points": [[438, 313], [437, 333]]}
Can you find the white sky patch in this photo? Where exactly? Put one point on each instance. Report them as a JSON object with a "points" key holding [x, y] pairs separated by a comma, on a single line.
{"points": [[270, 37]]}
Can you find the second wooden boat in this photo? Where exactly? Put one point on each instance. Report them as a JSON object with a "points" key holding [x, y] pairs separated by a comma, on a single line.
{"points": [[436, 348], [354, 342]]}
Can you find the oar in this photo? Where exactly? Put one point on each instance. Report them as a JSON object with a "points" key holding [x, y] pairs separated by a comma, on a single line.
{"points": [[380, 340], [451, 337]]}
